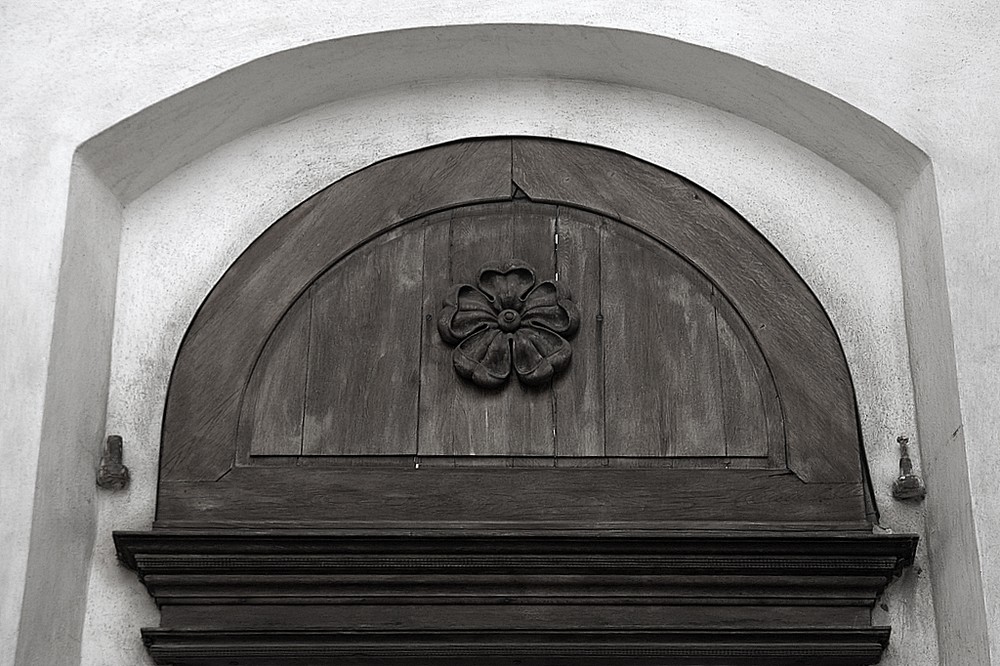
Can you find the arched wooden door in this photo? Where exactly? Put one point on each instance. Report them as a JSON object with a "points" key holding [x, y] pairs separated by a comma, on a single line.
{"points": [[517, 400]]}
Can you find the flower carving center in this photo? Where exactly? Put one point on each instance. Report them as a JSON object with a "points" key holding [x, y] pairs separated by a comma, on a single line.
{"points": [[508, 323], [509, 320]]}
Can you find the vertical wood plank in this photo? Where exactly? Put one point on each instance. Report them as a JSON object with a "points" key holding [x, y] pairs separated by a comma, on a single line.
{"points": [[750, 366], [743, 405], [439, 416], [456, 417], [579, 394], [273, 405], [532, 409], [661, 351], [364, 361]]}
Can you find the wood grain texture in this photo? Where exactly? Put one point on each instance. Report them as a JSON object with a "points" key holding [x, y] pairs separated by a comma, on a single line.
{"points": [[793, 331], [271, 419], [399, 538], [670, 397], [456, 417], [753, 418], [579, 395], [744, 418], [233, 323], [661, 351], [540, 496], [676, 596], [501, 646], [364, 360], [487, 461], [777, 363], [390, 612]]}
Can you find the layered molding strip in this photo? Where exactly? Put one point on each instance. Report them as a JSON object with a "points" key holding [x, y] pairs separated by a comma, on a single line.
{"points": [[584, 597], [567, 648]]}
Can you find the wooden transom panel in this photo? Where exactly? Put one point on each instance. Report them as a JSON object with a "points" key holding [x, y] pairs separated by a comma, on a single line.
{"points": [[512, 401], [706, 383], [663, 371]]}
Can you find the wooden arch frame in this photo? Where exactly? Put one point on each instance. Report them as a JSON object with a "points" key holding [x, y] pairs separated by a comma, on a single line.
{"points": [[799, 344], [300, 565]]}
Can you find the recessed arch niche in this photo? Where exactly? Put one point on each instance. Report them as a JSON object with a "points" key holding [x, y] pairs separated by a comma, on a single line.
{"points": [[688, 486]]}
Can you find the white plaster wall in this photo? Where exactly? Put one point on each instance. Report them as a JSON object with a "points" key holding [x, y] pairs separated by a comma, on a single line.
{"points": [[73, 428], [930, 70], [180, 236]]}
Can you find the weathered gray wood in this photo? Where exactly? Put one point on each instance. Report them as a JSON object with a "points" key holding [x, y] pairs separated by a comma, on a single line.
{"points": [[628, 607], [542, 496], [687, 377], [500, 645], [505, 461], [218, 352], [801, 348], [271, 421], [794, 332], [440, 417], [475, 594], [579, 395], [661, 351], [457, 417], [753, 418], [379, 286], [744, 419], [364, 356]]}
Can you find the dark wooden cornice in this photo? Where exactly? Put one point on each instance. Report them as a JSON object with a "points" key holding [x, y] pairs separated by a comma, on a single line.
{"points": [[678, 597], [580, 647], [225, 551]]}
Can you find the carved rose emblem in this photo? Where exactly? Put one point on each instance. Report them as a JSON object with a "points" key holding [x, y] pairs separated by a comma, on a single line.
{"points": [[508, 322]]}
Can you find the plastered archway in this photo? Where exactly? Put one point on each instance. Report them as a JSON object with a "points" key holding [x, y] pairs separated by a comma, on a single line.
{"points": [[185, 127]]}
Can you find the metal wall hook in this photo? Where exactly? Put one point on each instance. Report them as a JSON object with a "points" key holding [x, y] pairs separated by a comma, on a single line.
{"points": [[112, 474], [907, 485]]}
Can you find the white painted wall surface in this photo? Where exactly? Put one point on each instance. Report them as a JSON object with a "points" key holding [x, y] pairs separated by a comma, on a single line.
{"points": [[929, 71]]}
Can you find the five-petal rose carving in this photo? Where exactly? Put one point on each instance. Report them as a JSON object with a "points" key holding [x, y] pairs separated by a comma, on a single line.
{"points": [[508, 322]]}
